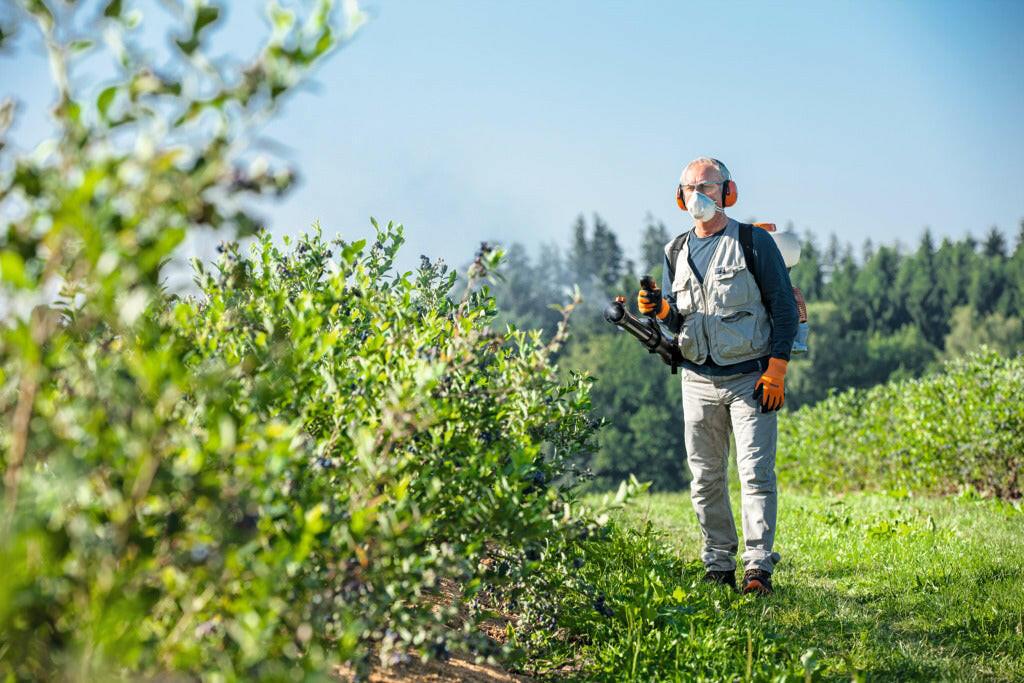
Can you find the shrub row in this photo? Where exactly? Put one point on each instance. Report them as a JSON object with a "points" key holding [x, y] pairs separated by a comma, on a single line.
{"points": [[961, 426], [274, 476]]}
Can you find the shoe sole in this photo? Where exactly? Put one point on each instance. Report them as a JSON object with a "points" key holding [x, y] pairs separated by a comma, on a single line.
{"points": [[755, 586]]}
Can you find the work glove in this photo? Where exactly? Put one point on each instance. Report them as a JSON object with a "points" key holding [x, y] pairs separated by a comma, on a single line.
{"points": [[650, 302], [771, 386]]}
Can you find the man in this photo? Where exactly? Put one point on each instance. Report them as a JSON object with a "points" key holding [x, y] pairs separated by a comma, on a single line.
{"points": [[735, 322]]}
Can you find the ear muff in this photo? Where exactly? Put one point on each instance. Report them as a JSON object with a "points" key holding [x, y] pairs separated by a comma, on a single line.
{"points": [[729, 194], [679, 197]]}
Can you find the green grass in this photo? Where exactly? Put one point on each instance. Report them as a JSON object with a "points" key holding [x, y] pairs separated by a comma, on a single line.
{"points": [[877, 587]]}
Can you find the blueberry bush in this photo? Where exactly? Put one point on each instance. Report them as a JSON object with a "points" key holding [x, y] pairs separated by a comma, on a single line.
{"points": [[280, 472], [961, 427]]}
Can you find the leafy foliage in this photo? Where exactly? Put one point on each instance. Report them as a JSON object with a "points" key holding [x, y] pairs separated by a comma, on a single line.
{"points": [[960, 427], [639, 405], [313, 447], [277, 474]]}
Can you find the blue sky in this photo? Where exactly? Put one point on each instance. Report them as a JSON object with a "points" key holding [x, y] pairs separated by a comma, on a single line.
{"points": [[495, 120]]}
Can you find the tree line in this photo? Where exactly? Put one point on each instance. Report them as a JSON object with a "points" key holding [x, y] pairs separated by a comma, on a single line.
{"points": [[879, 313]]}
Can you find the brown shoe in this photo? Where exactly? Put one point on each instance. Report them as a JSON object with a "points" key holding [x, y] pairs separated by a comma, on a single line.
{"points": [[757, 580], [723, 577]]}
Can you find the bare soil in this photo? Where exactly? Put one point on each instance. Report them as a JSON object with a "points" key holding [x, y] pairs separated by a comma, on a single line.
{"points": [[458, 667]]}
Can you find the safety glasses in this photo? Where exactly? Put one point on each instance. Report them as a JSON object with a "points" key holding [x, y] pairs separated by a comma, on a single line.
{"points": [[704, 188]]}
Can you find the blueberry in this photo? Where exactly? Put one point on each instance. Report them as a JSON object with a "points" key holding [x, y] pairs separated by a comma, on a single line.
{"points": [[440, 650], [601, 607], [200, 553]]}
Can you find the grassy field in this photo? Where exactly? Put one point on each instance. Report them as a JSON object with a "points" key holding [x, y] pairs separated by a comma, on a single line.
{"points": [[874, 587]]}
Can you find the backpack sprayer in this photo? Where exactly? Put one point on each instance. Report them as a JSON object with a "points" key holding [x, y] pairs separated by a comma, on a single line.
{"points": [[650, 334], [789, 246]]}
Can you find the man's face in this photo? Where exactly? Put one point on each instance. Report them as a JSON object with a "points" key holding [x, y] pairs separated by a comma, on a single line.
{"points": [[703, 178]]}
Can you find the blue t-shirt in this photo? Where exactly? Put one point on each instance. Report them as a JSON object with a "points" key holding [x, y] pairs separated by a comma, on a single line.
{"points": [[771, 275], [701, 251]]}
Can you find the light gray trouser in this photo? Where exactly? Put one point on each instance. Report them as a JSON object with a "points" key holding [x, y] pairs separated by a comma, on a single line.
{"points": [[711, 405]]}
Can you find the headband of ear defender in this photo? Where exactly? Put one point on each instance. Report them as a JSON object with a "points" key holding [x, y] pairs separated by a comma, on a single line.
{"points": [[729, 194]]}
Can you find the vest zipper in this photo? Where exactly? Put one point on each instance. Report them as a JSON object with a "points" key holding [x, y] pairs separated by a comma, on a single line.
{"points": [[703, 293]]}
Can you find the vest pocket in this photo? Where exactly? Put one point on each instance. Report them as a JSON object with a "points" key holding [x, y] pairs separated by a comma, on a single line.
{"points": [[732, 288], [683, 292], [736, 335], [687, 339]]}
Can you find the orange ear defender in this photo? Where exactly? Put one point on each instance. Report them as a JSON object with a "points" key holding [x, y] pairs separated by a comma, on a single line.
{"points": [[729, 194]]}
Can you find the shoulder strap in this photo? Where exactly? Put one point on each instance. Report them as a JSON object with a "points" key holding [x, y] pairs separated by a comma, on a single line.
{"points": [[673, 254], [747, 243]]}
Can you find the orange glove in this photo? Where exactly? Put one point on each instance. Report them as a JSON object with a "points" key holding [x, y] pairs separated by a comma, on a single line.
{"points": [[771, 386], [650, 301]]}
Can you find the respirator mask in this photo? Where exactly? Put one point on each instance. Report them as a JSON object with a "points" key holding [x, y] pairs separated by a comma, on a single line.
{"points": [[701, 206]]}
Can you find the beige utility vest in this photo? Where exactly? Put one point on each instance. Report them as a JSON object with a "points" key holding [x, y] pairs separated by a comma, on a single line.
{"points": [[723, 318]]}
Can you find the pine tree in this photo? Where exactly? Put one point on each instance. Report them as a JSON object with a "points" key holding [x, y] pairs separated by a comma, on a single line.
{"points": [[877, 292], [833, 253], [807, 274], [579, 261], [607, 255], [995, 244], [867, 250], [842, 289], [923, 299], [652, 245]]}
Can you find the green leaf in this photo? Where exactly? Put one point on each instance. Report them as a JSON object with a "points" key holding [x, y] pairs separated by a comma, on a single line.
{"points": [[105, 99], [80, 46], [187, 46], [281, 18], [205, 16], [42, 12], [620, 495], [12, 270], [113, 9], [322, 45], [74, 110], [350, 251]]}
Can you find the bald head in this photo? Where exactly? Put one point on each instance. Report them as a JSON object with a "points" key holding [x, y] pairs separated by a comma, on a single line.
{"points": [[714, 170], [707, 175]]}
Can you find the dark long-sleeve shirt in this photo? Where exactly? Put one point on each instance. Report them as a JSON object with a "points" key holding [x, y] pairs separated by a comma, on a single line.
{"points": [[777, 292]]}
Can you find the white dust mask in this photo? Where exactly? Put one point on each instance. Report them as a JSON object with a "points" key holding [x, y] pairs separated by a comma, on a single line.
{"points": [[701, 207]]}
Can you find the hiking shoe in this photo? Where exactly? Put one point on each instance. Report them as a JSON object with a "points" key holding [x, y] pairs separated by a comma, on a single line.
{"points": [[722, 577], [757, 581]]}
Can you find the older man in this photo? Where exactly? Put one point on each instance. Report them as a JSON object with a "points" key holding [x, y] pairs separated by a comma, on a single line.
{"points": [[729, 300]]}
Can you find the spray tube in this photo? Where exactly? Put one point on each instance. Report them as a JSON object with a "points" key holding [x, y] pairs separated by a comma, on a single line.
{"points": [[647, 330]]}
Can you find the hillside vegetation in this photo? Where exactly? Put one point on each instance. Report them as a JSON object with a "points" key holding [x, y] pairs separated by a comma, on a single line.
{"points": [[892, 313], [961, 426]]}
